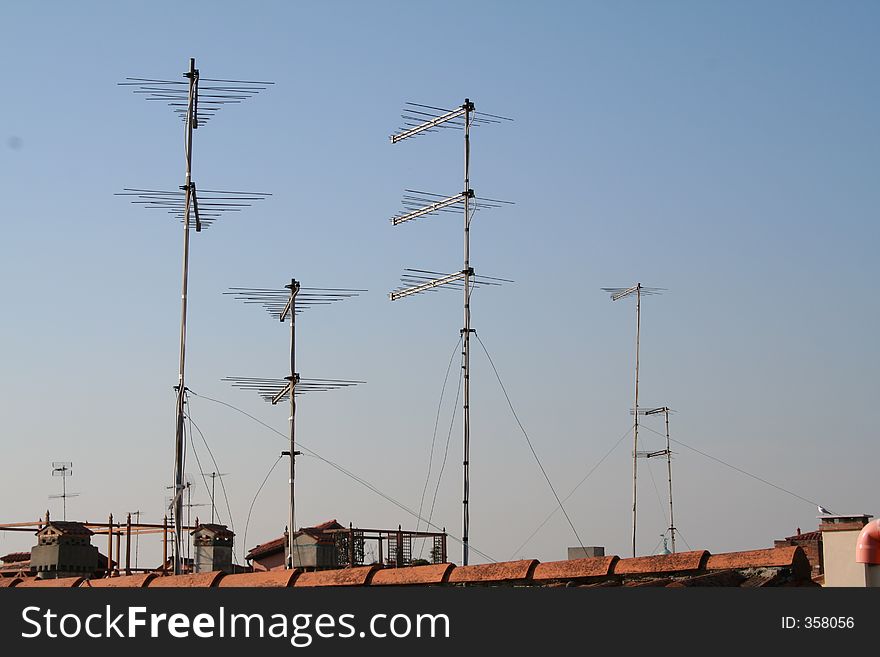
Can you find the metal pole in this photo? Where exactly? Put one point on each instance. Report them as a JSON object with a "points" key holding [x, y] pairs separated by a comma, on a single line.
{"points": [[636, 415], [137, 539], [669, 471], [118, 547], [188, 486], [109, 546], [181, 389], [294, 288], [466, 334], [63, 496], [165, 543], [128, 545]]}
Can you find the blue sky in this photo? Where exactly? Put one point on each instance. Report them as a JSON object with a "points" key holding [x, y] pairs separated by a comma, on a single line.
{"points": [[725, 151]]}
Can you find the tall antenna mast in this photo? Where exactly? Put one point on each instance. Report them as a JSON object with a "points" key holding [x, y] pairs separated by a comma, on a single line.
{"points": [[196, 106], [618, 293], [63, 469], [288, 303], [419, 119]]}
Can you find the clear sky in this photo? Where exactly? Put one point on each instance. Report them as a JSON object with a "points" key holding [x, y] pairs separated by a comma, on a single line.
{"points": [[725, 151]]}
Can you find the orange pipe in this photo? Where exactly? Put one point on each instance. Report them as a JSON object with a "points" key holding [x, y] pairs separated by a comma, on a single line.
{"points": [[868, 545]]}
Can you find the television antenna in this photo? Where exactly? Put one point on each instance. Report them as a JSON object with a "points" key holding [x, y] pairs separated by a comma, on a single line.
{"points": [[421, 119], [287, 303], [213, 476], [63, 469], [137, 535], [196, 103], [665, 411], [618, 293]]}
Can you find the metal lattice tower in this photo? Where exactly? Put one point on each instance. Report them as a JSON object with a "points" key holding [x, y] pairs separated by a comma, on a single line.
{"points": [[285, 303], [196, 100], [418, 120]]}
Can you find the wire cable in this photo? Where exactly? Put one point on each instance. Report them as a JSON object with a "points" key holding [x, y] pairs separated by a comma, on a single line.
{"points": [[222, 485], [434, 435], [198, 461], [528, 440], [681, 536], [573, 490], [733, 467], [254, 501], [347, 473], [446, 450], [657, 492]]}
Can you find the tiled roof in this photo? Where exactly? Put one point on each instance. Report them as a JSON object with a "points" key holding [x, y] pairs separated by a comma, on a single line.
{"points": [[318, 532], [193, 580], [266, 579], [265, 549], [61, 582], [359, 576], [139, 581], [13, 557], [662, 563], [493, 573], [574, 569], [423, 575], [785, 566], [68, 527], [791, 557], [218, 530], [806, 536]]}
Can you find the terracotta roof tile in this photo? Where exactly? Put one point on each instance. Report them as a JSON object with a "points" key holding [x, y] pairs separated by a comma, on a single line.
{"points": [[62, 582], [194, 580], [343, 577], [139, 581], [318, 532], [266, 579], [432, 574], [14, 557], [781, 557], [267, 548], [662, 563], [68, 527], [574, 569], [7, 582], [221, 531], [488, 573]]}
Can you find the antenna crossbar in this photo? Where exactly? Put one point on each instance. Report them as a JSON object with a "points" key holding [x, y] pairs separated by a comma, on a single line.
{"points": [[428, 285], [431, 123]]}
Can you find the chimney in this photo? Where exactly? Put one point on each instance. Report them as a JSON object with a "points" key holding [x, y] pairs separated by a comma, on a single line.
{"points": [[212, 546], [840, 536]]}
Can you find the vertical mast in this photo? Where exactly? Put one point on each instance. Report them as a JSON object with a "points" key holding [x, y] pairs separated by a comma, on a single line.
{"points": [[466, 333], [669, 472], [179, 447], [636, 415], [291, 529]]}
